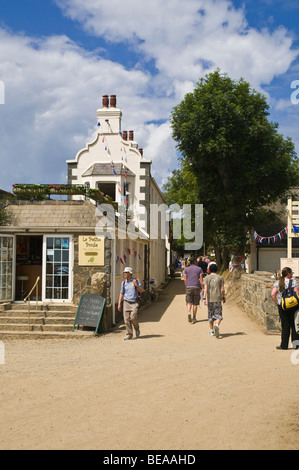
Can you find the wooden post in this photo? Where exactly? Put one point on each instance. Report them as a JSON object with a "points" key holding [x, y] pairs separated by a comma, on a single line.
{"points": [[289, 228], [29, 314]]}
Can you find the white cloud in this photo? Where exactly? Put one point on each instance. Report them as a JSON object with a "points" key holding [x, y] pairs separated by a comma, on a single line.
{"points": [[53, 86], [52, 91], [188, 38]]}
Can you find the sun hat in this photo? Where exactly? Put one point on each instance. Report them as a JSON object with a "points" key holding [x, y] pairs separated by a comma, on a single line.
{"points": [[128, 270]]}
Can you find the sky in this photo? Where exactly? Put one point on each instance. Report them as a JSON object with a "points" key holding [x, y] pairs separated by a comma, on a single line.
{"points": [[58, 57]]}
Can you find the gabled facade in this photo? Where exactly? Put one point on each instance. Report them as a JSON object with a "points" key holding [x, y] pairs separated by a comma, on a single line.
{"points": [[115, 164]]}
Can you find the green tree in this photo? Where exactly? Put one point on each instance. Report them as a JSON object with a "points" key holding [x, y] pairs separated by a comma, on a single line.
{"points": [[4, 217], [240, 161]]}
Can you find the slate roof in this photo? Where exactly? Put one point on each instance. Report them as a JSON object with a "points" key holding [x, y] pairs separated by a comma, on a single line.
{"points": [[52, 215], [105, 169]]}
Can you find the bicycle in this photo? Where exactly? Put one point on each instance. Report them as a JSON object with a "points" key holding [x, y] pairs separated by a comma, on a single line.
{"points": [[151, 295]]}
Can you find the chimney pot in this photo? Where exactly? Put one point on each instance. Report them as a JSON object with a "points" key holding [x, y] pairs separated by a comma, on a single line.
{"points": [[131, 135], [125, 135], [105, 101], [141, 152], [113, 101]]}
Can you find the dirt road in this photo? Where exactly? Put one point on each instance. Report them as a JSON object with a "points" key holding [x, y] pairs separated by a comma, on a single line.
{"points": [[174, 388]]}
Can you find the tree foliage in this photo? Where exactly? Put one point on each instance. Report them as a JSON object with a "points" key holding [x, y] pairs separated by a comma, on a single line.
{"points": [[238, 160]]}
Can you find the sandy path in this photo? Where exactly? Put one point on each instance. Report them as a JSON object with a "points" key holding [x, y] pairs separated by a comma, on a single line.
{"points": [[174, 388]]}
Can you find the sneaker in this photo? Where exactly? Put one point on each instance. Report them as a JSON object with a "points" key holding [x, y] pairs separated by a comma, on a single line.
{"points": [[216, 328], [189, 318], [127, 337], [212, 333], [194, 320], [137, 333]]}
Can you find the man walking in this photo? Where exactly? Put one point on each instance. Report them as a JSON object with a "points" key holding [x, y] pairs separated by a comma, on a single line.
{"points": [[214, 293], [130, 289], [193, 276]]}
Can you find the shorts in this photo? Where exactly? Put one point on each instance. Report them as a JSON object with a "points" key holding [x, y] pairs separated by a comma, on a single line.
{"points": [[193, 295], [215, 311]]}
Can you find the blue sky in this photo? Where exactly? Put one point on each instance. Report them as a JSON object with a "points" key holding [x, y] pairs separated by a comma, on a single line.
{"points": [[58, 57]]}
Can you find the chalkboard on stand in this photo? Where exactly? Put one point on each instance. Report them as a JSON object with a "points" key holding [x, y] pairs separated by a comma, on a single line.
{"points": [[89, 312]]}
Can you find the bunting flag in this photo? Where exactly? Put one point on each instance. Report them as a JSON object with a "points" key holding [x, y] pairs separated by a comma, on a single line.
{"points": [[273, 239], [98, 124], [295, 228], [124, 259]]}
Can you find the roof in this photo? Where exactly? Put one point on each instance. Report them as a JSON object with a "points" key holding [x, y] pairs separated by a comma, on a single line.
{"points": [[5, 194], [51, 215], [101, 169]]}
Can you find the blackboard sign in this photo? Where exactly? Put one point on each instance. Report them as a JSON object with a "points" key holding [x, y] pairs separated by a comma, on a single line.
{"points": [[89, 312]]}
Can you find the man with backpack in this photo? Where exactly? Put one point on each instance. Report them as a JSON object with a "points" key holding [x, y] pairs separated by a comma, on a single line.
{"points": [[129, 294], [285, 291]]}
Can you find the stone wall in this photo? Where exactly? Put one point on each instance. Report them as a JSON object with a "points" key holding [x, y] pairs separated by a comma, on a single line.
{"points": [[94, 280], [256, 299]]}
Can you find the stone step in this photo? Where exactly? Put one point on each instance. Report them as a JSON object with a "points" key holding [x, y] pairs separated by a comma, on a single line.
{"points": [[24, 313], [40, 307], [47, 321], [37, 319], [35, 327], [76, 334]]}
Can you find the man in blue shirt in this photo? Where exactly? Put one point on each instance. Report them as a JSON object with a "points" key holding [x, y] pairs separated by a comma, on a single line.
{"points": [[129, 292], [193, 276]]}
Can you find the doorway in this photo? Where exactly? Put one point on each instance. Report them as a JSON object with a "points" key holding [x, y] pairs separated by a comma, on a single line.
{"points": [[29, 251], [57, 285]]}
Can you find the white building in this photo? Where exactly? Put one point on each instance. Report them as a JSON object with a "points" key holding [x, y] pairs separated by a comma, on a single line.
{"points": [[115, 164]]}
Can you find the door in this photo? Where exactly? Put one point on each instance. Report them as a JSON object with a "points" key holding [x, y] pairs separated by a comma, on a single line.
{"points": [[6, 267], [57, 268]]}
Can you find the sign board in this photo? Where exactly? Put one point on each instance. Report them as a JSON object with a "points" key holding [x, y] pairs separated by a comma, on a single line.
{"points": [[91, 250], [4, 254], [89, 312], [292, 263]]}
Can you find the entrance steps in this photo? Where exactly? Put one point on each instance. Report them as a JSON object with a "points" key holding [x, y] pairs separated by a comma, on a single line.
{"points": [[46, 321]]}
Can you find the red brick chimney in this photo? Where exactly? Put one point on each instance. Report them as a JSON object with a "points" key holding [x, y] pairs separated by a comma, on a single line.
{"points": [[125, 135], [131, 135], [141, 152], [112, 101], [105, 101]]}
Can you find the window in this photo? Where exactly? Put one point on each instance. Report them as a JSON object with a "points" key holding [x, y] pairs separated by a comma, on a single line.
{"points": [[6, 257], [107, 188], [127, 194], [57, 268]]}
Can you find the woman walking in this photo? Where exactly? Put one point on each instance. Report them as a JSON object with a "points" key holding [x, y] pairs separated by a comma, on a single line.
{"points": [[287, 317]]}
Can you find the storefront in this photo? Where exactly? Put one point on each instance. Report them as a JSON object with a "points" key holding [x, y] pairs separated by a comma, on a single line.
{"points": [[24, 258], [55, 241]]}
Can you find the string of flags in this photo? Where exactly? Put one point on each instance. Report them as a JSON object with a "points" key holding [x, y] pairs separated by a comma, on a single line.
{"points": [[123, 259], [274, 238], [123, 169]]}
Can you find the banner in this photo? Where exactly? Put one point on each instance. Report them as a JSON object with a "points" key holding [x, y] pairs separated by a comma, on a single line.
{"points": [[273, 239]]}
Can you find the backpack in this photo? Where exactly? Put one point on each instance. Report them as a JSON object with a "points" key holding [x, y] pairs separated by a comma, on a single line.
{"points": [[289, 298], [138, 295], [297, 321]]}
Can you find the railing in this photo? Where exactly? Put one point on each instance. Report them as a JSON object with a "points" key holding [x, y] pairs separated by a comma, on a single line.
{"points": [[28, 298]]}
